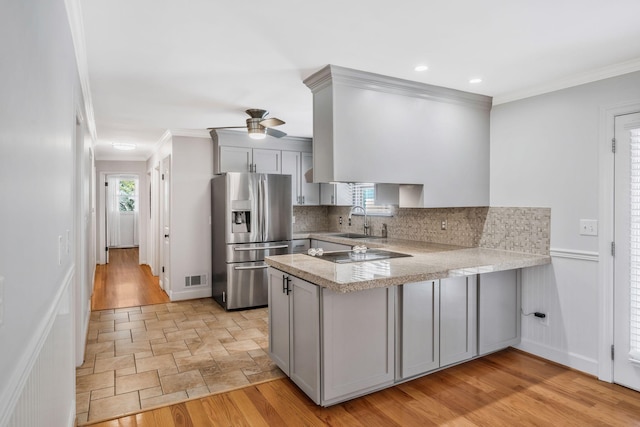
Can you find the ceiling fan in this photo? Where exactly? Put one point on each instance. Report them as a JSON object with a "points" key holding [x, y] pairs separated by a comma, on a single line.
{"points": [[258, 125]]}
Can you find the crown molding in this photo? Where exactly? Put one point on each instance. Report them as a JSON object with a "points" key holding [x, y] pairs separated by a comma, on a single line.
{"points": [[74, 14], [194, 133], [370, 81], [571, 81]]}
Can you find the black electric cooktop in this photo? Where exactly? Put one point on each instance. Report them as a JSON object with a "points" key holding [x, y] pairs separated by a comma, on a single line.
{"points": [[342, 257]]}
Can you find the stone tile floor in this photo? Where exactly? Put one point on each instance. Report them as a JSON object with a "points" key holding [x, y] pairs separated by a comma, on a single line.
{"points": [[143, 357]]}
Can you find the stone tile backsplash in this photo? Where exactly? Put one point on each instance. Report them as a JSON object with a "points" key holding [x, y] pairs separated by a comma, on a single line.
{"points": [[508, 228]]}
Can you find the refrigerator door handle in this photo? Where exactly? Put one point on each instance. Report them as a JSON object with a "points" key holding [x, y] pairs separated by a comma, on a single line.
{"points": [[257, 267], [261, 248]]}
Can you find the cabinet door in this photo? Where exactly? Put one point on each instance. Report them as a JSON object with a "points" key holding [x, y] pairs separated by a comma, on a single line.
{"points": [[458, 319], [338, 194], [266, 161], [291, 166], [419, 328], [357, 342], [278, 320], [304, 328], [235, 159], [498, 310], [309, 190]]}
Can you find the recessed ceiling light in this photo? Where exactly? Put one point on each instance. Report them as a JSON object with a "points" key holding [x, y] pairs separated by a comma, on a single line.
{"points": [[475, 81], [123, 146], [421, 68]]}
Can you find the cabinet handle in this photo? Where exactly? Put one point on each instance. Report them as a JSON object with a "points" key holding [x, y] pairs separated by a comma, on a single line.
{"points": [[303, 200], [333, 199], [288, 279]]}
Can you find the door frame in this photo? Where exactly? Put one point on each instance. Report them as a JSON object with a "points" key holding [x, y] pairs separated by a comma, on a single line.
{"points": [[606, 236], [100, 229]]}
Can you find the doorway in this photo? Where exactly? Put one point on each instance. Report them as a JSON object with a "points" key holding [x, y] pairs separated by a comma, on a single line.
{"points": [[626, 289]]}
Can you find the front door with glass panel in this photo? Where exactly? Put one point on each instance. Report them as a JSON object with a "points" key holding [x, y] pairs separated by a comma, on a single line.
{"points": [[626, 366]]}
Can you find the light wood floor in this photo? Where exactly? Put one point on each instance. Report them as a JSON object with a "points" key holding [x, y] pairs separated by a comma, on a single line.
{"points": [[125, 283], [509, 388]]}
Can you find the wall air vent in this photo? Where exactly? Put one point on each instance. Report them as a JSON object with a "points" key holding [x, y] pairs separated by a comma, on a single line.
{"points": [[195, 280]]}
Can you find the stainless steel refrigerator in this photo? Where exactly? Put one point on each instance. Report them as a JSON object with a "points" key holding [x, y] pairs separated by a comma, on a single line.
{"points": [[250, 219]]}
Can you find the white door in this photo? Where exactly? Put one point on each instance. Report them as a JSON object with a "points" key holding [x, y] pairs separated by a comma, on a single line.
{"points": [[626, 365], [165, 282]]}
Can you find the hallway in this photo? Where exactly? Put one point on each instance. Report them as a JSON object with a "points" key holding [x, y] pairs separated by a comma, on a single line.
{"points": [[125, 283]]}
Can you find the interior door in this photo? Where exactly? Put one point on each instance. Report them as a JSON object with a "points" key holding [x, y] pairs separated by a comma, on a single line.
{"points": [[626, 365], [165, 283]]}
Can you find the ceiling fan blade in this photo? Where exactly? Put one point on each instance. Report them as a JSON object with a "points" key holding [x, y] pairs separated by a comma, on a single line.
{"points": [[228, 127], [275, 133], [271, 122]]}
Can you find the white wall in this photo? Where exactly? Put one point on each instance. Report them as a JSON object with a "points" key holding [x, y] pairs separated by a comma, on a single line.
{"points": [[40, 93], [138, 168], [191, 173], [545, 152]]}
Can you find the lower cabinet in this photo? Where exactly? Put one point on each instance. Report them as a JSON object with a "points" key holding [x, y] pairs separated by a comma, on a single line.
{"points": [[337, 346], [357, 342], [437, 324], [294, 332], [499, 303]]}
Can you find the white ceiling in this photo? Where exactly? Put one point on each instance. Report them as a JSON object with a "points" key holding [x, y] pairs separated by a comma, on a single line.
{"points": [[158, 65]]}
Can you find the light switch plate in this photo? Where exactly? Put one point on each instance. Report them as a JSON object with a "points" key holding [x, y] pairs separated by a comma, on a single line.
{"points": [[1, 300], [588, 227]]}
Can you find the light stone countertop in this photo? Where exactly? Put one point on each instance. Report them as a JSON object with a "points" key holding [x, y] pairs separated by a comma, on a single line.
{"points": [[429, 261]]}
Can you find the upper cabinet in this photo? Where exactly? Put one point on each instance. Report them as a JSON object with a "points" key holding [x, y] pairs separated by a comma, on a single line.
{"points": [[299, 165], [242, 159], [236, 152], [373, 128]]}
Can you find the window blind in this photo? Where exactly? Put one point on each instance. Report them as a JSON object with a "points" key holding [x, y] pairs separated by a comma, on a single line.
{"points": [[634, 262]]}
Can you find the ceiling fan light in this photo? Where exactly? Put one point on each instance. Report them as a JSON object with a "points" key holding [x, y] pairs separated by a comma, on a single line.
{"points": [[257, 133]]}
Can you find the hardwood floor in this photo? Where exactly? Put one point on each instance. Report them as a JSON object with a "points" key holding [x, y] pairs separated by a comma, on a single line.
{"points": [[509, 388], [125, 283]]}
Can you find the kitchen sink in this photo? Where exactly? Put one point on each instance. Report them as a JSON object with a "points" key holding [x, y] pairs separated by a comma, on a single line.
{"points": [[342, 257], [356, 236]]}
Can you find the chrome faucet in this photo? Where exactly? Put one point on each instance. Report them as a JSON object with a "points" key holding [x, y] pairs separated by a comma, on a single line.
{"points": [[366, 224]]}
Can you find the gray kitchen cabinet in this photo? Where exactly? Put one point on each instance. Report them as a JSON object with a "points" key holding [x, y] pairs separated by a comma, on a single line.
{"points": [[300, 246], [298, 164], [329, 246], [499, 303], [357, 342], [294, 338], [419, 328], [243, 159], [338, 194], [458, 319], [437, 324]]}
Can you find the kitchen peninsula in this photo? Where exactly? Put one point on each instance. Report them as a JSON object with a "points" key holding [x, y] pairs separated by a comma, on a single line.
{"points": [[341, 330]]}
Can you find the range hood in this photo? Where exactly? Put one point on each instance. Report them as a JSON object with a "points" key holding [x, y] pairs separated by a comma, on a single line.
{"points": [[373, 128]]}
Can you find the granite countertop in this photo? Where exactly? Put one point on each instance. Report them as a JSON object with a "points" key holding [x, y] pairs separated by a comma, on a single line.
{"points": [[428, 261]]}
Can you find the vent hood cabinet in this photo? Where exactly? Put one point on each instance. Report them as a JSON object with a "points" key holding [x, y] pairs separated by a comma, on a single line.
{"points": [[373, 128]]}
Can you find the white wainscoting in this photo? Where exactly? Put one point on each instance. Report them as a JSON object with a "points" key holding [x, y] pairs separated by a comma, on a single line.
{"points": [[567, 292], [41, 390]]}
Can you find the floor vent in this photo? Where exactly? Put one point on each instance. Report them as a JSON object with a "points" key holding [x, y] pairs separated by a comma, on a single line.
{"points": [[195, 280]]}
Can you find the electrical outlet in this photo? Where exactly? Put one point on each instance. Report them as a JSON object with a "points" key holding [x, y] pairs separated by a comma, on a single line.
{"points": [[443, 224], [340, 220], [588, 227], [293, 219]]}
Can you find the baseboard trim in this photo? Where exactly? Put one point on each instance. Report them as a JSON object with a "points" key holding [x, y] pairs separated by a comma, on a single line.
{"points": [[574, 254], [571, 360], [15, 386], [202, 292]]}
